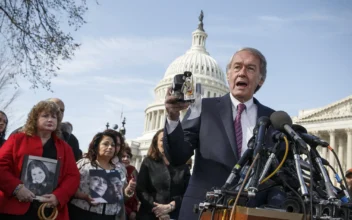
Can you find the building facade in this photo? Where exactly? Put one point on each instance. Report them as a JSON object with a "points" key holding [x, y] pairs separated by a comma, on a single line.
{"points": [[333, 123]]}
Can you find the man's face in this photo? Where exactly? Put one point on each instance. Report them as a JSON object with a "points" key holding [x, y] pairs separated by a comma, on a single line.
{"points": [[244, 75], [61, 106], [349, 180]]}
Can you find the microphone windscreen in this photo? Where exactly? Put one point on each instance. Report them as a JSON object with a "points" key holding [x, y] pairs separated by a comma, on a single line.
{"points": [[264, 120], [299, 129], [279, 119]]}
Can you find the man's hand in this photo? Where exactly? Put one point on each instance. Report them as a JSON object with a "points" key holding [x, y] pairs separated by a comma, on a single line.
{"points": [[174, 106]]}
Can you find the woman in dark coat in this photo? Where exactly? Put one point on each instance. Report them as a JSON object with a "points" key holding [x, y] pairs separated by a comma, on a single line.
{"points": [[3, 125], [160, 186]]}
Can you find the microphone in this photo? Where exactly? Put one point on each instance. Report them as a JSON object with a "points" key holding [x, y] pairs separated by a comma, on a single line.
{"points": [[277, 136], [263, 123], [312, 140], [242, 161], [282, 122]]}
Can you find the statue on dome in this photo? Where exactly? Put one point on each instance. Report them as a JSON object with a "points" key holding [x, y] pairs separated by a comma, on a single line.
{"points": [[200, 25]]}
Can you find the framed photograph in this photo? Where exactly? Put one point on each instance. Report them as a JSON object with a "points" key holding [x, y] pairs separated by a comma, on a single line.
{"points": [[40, 175], [105, 187]]}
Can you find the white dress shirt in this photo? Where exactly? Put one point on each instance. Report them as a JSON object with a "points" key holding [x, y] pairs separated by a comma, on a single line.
{"points": [[248, 120]]}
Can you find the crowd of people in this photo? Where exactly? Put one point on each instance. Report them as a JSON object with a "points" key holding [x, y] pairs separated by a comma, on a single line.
{"points": [[102, 183]]}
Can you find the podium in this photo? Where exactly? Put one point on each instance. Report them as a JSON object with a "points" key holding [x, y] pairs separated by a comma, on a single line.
{"points": [[244, 213]]}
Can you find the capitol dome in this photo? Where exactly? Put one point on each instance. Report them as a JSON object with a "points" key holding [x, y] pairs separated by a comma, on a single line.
{"points": [[197, 60], [205, 70]]}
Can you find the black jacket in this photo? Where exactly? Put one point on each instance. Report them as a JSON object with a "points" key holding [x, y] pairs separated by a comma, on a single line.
{"points": [[162, 184], [2, 141]]}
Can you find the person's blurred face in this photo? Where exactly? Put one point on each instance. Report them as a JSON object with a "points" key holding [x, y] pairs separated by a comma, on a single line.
{"points": [[46, 122], [98, 185], [106, 147], [244, 75], [126, 159], [38, 175], [3, 122], [160, 142], [116, 183], [61, 106], [349, 181]]}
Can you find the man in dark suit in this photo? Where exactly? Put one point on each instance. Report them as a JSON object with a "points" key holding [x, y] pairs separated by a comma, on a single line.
{"points": [[219, 136]]}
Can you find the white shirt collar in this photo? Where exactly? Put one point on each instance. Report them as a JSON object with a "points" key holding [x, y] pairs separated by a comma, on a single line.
{"points": [[235, 102]]}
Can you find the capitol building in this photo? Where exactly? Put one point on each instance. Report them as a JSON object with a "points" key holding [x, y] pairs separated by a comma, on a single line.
{"points": [[332, 122]]}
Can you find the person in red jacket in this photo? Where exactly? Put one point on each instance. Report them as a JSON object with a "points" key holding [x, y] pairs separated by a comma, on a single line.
{"points": [[131, 205], [40, 137]]}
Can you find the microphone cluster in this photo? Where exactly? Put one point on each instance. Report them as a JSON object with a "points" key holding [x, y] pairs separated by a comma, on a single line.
{"points": [[305, 181]]}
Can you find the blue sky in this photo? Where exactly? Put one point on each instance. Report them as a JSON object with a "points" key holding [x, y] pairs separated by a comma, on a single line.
{"points": [[127, 47]]}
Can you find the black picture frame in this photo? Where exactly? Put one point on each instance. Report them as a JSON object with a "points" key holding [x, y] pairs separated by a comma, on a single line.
{"points": [[105, 187], [40, 174]]}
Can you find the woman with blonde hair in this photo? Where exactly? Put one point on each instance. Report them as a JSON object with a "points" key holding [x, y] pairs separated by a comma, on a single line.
{"points": [[160, 186], [39, 137]]}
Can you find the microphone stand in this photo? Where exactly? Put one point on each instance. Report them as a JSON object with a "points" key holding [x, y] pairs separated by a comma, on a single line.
{"points": [[315, 156], [269, 161], [303, 187]]}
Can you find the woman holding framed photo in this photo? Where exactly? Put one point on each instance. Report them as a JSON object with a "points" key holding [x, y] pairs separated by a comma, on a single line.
{"points": [[103, 184], [19, 156]]}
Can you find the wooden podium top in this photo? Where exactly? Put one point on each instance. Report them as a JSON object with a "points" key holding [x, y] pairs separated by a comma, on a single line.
{"points": [[244, 213]]}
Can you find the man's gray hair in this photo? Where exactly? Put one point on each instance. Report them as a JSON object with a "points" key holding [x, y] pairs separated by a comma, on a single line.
{"points": [[255, 52]]}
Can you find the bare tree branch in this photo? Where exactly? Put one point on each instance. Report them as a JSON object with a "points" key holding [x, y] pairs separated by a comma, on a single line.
{"points": [[31, 32]]}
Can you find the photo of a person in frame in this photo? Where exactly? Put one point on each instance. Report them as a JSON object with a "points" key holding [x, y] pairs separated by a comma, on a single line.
{"points": [[39, 179], [99, 186], [116, 188]]}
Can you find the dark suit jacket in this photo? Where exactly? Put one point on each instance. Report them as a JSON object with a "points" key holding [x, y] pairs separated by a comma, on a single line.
{"points": [[154, 185], [212, 137]]}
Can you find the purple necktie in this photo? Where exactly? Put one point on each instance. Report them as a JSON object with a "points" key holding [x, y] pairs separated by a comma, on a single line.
{"points": [[238, 127]]}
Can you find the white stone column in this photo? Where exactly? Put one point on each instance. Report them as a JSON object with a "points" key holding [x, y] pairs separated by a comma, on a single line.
{"points": [[153, 120], [341, 151], [162, 119], [157, 120], [138, 162], [148, 123], [349, 148], [331, 155], [145, 122]]}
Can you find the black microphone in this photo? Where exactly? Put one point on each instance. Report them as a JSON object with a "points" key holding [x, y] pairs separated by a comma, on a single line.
{"points": [[263, 123], [282, 122], [242, 161], [312, 140], [277, 136]]}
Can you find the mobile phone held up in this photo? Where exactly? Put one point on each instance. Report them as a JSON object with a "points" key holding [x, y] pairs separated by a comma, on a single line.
{"points": [[183, 87]]}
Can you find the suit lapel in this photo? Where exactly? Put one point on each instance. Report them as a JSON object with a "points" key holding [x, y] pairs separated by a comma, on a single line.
{"points": [[225, 110], [262, 111]]}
